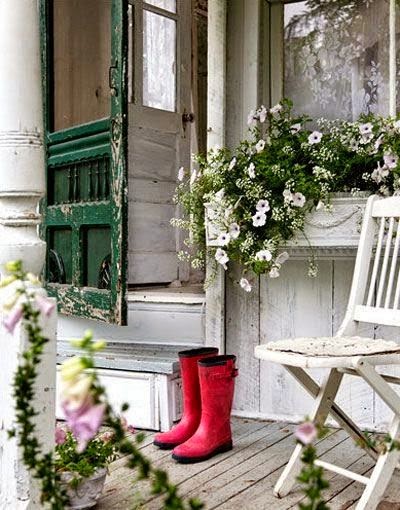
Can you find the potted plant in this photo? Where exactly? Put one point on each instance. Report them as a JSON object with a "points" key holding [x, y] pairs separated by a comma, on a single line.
{"points": [[276, 188], [83, 473]]}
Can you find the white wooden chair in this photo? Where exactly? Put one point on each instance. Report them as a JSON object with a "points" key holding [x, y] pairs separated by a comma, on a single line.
{"points": [[374, 298]]}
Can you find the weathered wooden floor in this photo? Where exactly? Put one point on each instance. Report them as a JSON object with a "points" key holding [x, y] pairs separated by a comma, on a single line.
{"points": [[243, 478]]}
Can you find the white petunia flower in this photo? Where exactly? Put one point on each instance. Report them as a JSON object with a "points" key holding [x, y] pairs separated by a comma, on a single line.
{"points": [[274, 273], [232, 164], [391, 160], [245, 284], [366, 138], [295, 128], [251, 170], [181, 174], [298, 199], [259, 219], [315, 137], [260, 145], [263, 206], [287, 195], [275, 109], [366, 128], [221, 257], [251, 118], [262, 113], [234, 230], [282, 257], [193, 177], [264, 255], [219, 195], [223, 238]]}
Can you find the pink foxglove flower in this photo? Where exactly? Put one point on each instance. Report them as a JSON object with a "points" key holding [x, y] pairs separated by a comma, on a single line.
{"points": [[85, 421], [13, 318], [60, 435], [306, 432], [46, 306]]}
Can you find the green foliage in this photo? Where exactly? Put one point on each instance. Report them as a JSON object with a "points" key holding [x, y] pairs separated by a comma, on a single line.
{"points": [[294, 169], [46, 467], [97, 454], [313, 480]]}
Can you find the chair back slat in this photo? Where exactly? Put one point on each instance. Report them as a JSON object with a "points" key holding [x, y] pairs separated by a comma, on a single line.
{"points": [[392, 273], [382, 276], [375, 268], [375, 292]]}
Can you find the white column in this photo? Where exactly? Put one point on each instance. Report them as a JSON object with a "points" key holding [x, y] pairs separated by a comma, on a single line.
{"points": [[22, 184], [216, 105]]}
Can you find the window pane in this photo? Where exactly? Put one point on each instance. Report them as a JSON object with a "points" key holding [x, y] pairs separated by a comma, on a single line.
{"points": [[337, 57], [82, 56], [159, 61], [168, 5]]}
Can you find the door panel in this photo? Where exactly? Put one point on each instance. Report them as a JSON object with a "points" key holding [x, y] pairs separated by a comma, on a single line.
{"points": [[158, 141], [85, 213]]}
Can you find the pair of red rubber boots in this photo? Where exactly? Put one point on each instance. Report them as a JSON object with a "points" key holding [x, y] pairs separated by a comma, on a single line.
{"points": [[207, 386]]}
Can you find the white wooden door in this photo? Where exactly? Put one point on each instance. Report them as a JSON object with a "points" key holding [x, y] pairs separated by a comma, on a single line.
{"points": [[159, 71]]}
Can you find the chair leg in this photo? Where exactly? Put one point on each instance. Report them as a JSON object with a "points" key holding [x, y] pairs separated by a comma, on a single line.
{"points": [[324, 401], [381, 474]]}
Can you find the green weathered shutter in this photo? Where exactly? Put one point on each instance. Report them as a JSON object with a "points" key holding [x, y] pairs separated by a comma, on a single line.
{"points": [[85, 211]]}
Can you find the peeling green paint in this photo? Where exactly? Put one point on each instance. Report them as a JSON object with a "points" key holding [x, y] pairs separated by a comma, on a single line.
{"points": [[67, 151]]}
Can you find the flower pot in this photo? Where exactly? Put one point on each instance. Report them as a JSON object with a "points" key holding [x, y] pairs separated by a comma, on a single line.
{"points": [[338, 227], [87, 493]]}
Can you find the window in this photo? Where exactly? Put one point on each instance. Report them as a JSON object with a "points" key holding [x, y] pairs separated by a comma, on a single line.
{"points": [[340, 57]]}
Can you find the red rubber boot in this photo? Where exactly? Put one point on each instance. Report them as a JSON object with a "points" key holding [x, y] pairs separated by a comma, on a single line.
{"points": [[214, 432], [191, 399]]}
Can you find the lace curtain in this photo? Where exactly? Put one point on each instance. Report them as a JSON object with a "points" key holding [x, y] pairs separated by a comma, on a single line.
{"points": [[337, 57]]}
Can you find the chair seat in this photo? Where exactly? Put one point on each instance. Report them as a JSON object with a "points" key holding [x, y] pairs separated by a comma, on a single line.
{"points": [[328, 351]]}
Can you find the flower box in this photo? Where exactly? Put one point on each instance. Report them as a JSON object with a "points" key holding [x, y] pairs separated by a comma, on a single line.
{"points": [[336, 228]]}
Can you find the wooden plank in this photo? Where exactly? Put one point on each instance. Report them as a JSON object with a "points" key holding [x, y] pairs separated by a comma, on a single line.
{"points": [[261, 493], [119, 484], [292, 305], [242, 335]]}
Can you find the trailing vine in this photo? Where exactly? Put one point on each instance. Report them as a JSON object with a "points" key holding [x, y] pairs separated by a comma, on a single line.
{"points": [[26, 306]]}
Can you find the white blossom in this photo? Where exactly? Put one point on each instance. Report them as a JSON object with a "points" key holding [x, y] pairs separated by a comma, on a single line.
{"points": [[251, 170], [251, 118], [181, 174], [260, 145], [245, 284], [259, 219], [295, 128], [234, 230], [193, 177], [264, 255], [396, 125], [274, 272], [219, 195], [366, 138], [221, 257], [275, 109], [366, 128], [263, 206], [315, 137], [282, 257], [262, 112], [390, 160], [320, 205], [287, 195], [298, 199], [223, 238], [232, 164]]}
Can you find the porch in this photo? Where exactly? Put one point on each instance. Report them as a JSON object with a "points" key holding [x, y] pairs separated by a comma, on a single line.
{"points": [[244, 478]]}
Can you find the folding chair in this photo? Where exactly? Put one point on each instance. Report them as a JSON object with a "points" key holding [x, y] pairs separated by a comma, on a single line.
{"points": [[374, 298]]}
